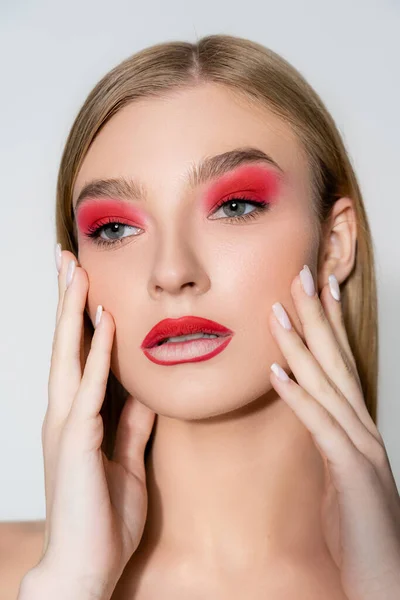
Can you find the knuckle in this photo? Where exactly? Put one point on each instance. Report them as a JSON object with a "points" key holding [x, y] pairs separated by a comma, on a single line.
{"points": [[364, 467], [70, 433], [66, 323], [50, 428], [359, 465], [95, 375], [331, 385], [331, 420], [324, 387], [379, 455]]}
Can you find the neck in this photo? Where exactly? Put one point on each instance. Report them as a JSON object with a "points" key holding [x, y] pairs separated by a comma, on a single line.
{"points": [[235, 490]]}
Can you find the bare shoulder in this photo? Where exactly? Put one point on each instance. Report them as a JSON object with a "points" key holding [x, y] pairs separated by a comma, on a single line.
{"points": [[21, 545]]}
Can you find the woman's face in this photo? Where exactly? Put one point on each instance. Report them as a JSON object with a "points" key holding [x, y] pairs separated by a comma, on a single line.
{"points": [[179, 254]]}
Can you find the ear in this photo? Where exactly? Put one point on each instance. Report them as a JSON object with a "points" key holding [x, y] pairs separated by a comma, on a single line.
{"points": [[338, 245]]}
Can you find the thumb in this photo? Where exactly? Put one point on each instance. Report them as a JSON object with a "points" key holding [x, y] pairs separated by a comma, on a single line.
{"points": [[133, 432]]}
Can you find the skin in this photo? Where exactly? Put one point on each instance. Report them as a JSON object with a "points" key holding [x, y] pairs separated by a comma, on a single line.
{"points": [[235, 481], [21, 544], [358, 516]]}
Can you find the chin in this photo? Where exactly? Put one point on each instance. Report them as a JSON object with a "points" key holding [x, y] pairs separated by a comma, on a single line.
{"points": [[188, 394]]}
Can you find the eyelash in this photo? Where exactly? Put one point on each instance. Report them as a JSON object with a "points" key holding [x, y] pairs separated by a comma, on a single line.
{"points": [[261, 206]]}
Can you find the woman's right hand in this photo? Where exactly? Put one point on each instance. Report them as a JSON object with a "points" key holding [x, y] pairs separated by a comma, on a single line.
{"points": [[95, 508]]}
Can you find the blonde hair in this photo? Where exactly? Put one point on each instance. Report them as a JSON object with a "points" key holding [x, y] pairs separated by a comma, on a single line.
{"points": [[262, 76]]}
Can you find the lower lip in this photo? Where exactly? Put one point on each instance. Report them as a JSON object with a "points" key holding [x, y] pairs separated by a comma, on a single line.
{"points": [[173, 353]]}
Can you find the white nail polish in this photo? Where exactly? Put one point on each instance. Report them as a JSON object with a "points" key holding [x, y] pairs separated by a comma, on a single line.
{"points": [[334, 287], [99, 312], [70, 272], [279, 372], [281, 315], [58, 257], [307, 281]]}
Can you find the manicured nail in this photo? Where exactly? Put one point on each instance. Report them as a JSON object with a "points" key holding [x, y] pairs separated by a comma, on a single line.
{"points": [[58, 257], [99, 312], [307, 281], [334, 287], [281, 315], [279, 372], [70, 272]]}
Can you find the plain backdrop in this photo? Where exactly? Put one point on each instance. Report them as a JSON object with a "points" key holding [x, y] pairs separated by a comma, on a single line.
{"points": [[53, 53]]}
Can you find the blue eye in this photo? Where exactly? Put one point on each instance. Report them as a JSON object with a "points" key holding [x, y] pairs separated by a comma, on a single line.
{"points": [[235, 207], [236, 203]]}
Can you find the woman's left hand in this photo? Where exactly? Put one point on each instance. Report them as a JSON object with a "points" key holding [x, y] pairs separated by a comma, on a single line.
{"points": [[327, 397]]}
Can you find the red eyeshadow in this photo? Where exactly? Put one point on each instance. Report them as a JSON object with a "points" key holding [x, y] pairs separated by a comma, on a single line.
{"points": [[257, 181], [94, 210]]}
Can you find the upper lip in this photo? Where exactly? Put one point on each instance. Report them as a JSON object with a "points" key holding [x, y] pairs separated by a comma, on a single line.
{"points": [[182, 326]]}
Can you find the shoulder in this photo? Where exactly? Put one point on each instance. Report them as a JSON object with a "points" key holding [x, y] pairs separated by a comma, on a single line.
{"points": [[21, 545]]}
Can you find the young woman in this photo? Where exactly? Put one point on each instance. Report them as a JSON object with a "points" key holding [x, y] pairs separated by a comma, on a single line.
{"points": [[204, 191]]}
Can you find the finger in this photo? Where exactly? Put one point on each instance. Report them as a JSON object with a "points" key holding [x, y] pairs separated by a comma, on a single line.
{"points": [[323, 342], [65, 369], [350, 467], [341, 453], [334, 313], [90, 395], [64, 377], [134, 429], [311, 377], [66, 257], [360, 495]]}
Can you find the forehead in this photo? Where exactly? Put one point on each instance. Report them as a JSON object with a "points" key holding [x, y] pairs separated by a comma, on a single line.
{"points": [[156, 139]]}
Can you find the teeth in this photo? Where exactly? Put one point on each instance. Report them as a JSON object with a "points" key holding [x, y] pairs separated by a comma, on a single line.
{"points": [[192, 336]]}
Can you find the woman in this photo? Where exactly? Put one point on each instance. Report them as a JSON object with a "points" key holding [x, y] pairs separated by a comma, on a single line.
{"points": [[205, 187]]}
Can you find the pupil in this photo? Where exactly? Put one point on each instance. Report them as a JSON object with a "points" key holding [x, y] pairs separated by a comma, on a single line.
{"points": [[236, 207], [114, 228]]}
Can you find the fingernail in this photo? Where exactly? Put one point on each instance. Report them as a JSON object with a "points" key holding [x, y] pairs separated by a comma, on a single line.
{"points": [[70, 272], [279, 372], [99, 312], [334, 287], [58, 257], [307, 281], [281, 315]]}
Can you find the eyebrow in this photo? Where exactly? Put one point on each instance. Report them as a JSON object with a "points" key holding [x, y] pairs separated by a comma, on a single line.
{"points": [[123, 188]]}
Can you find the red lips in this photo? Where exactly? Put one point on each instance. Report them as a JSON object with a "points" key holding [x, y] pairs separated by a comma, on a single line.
{"points": [[183, 326]]}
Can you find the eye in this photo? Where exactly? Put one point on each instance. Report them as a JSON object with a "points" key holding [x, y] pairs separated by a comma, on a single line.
{"points": [[112, 227], [234, 205], [115, 228]]}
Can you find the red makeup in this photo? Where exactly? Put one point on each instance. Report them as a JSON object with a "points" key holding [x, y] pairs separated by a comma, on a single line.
{"points": [[257, 182], [94, 210]]}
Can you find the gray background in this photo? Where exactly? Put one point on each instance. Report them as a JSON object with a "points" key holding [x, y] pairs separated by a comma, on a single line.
{"points": [[53, 53]]}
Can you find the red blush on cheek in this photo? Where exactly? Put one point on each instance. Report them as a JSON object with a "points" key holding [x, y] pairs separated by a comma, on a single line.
{"points": [[256, 181], [96, 210]]}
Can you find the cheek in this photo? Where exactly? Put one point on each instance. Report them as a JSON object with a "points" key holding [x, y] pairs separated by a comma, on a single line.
{"points": [[106, 286], [263, 273]]}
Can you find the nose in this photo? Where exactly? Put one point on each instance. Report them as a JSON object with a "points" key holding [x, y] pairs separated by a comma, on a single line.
{"points": [[178, 269]]}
